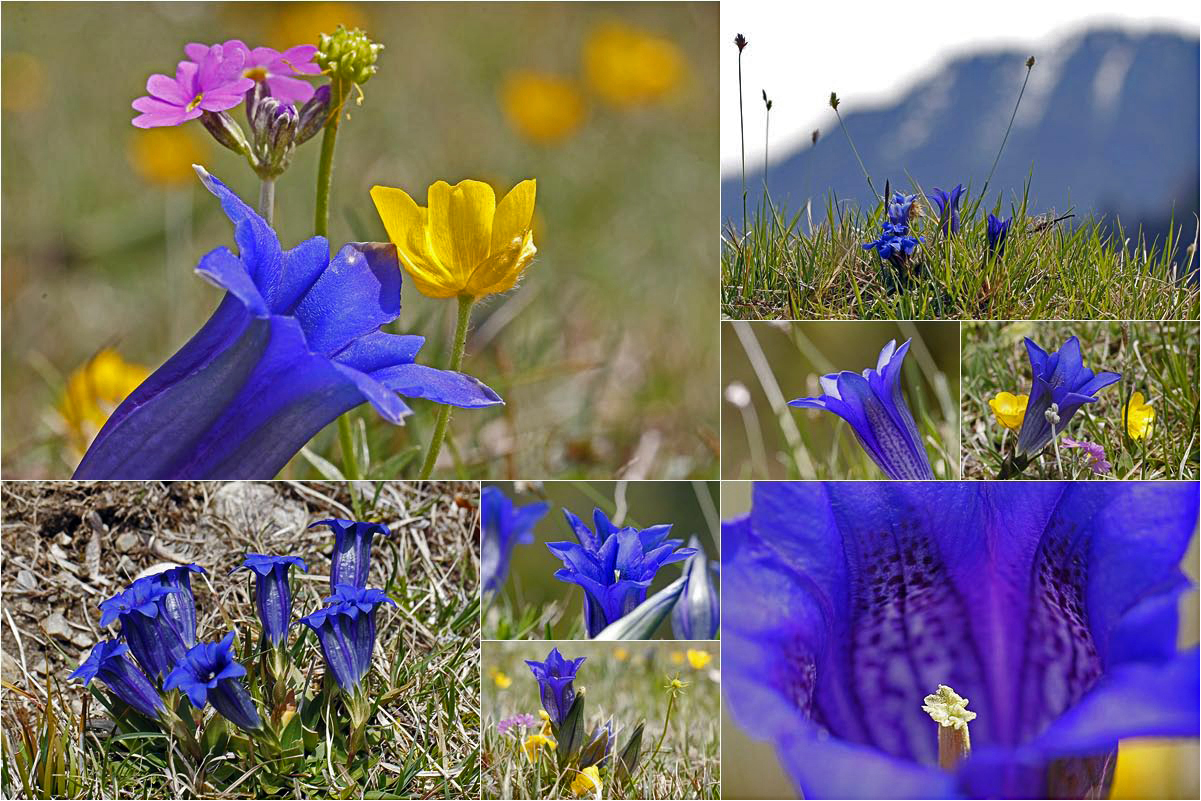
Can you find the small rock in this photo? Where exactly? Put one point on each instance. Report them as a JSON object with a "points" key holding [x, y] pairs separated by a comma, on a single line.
{"points": [[56, 626], [127, 541], [252, 506], [25, 580], [39, 666], [81, 639]]}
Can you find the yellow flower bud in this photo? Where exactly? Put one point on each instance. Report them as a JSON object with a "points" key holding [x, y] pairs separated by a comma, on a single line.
{"points": [[1009, 409]]}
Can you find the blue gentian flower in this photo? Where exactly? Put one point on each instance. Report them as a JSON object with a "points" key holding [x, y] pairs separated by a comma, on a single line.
{"points": [[272, 592], [352, 550], [180, 605], [295, 343], [1062, 380], [874, 407], [154, 638], [948, 207], [345, 630], [615, 566], [696, 615], [998, 229], [109, 663], [504, 525], [895, 245], [208, 673], [1051, 607], [900, 209], [555, 679]]}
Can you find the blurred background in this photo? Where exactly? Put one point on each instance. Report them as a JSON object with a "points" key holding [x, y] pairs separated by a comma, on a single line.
{"points": [[1108, 124], [1151, 768], [689, 506], [765, 365], [606, 354]]}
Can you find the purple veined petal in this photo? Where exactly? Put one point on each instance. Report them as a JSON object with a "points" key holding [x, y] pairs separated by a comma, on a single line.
{"points": [[357, 293], [295, 91], [301, 267], [575, 557], [582, 533], [1137, 691], [258, 246], [440, 386]]}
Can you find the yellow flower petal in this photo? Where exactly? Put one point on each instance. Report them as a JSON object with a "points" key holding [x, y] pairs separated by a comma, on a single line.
{"points": [[460, 225], [406, 224], [698, 659], [587, 782], [93, 392], [1139, 416], [514, 214], [629, 67], [1009, 409], [501, 271]]}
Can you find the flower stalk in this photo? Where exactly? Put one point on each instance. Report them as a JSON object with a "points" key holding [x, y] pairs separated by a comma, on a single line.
{"points": [[267, 200], [456, 363]]}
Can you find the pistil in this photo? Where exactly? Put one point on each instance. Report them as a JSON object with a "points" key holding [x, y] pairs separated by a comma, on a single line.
{"points": [[949, 710]]}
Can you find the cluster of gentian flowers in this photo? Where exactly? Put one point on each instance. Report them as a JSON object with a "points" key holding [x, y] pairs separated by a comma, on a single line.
{"points": [[564, 741], [614, 566], [1062, 385], [875, 408], [897, 243], [156, 617]]}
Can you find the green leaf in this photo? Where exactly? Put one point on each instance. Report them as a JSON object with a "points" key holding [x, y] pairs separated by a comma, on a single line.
{"points": [[327, 469], [570, 734], [641, 623], [215, 736], [628, 756]]}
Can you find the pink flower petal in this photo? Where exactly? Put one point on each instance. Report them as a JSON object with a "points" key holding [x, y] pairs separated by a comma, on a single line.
{"points": [[167, 88], [290, 90]]}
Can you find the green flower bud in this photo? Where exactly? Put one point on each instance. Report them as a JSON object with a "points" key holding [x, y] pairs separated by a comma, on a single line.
{"points": [[347, 55]]}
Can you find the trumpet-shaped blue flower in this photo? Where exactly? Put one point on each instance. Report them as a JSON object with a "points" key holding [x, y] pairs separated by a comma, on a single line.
{"points": [[180, 605], [556, 677], [504, 525], [272, 592], [998, 230], [614, 566], [874, 407], [352, 550], [696, 615], [900, 210], [1062, 384], [152, 635], [295, 343], [948, 207], [1051, 607], [895, 245], [345, 630], [109, 663], [209, 673]]}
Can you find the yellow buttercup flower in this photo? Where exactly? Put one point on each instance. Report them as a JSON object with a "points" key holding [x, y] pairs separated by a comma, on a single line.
{"points": [[1009, 409], [677, 657], [535, 743], [164, 156], [542, 107], [621, 654], [698, 659], [502, 680], [464, 243], [1139, 416], [93, 392], [587, 782], [629, 67]]}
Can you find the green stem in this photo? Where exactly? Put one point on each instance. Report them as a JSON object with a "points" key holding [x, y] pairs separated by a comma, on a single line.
{"points": [[267, 199], [855, 150], [325, 169], [671, 702], [325, 180], [456, 361], [1005, 139]]}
